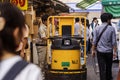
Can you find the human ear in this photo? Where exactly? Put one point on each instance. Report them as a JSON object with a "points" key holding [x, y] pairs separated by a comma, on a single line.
{"points": [[2, 23]]}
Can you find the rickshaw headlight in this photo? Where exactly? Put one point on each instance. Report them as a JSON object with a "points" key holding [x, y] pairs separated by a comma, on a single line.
{"points": [[67, 42]]}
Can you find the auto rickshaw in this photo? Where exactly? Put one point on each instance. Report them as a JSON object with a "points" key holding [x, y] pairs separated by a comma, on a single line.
{"points": [[64, 56]]}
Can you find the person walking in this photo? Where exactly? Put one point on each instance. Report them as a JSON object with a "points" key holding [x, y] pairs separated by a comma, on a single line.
{"points": [[92, 27], [88, 36], [104, 44]]}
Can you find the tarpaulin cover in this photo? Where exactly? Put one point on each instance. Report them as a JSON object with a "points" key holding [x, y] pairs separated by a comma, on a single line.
{"points": [[112, 6]]}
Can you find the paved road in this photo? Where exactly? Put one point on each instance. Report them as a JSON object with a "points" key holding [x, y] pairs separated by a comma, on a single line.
{"points": [[91, 73]]}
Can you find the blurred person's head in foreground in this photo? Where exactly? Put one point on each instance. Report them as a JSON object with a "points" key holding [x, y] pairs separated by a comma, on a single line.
{"points": [[11, 24]]}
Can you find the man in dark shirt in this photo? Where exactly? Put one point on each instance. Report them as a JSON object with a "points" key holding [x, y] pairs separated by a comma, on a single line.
{"points": [[106, 47]]}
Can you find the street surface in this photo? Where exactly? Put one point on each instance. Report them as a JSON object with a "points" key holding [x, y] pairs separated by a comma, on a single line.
{"points": [[91, 75]]}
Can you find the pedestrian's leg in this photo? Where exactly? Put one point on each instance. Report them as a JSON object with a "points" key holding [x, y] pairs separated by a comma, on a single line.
{"points": [[101, 63], [82, 48], [87, 47], [109, 58]]}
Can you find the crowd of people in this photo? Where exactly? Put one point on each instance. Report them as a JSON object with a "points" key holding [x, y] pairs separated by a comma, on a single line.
{"points": [[102, 40], [79, 30]]}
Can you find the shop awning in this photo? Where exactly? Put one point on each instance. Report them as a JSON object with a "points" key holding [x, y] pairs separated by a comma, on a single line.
{"points": [[110, 2], [112, 6], [96, 7], [85, 3]]}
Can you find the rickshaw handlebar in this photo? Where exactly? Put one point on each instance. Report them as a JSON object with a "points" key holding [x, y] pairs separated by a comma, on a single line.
{"points": [[66, 37]]}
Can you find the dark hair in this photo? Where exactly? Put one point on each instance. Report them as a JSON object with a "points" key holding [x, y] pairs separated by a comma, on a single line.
{"points": [[82, 20], [87, 23], [77, 19], [45, 17], [13, 19], [94, 19], [106, 16]]}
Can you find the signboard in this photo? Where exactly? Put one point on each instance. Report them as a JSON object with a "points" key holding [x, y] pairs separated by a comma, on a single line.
{"points": [[22, 4], [111, 2]]}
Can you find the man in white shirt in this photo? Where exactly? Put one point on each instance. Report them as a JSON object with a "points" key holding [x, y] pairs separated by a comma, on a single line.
{"points": [[43, 27], [77, 27], [43, 36]]}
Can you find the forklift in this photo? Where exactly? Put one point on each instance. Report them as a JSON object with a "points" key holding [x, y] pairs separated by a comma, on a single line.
{"points": [[65, 59]]}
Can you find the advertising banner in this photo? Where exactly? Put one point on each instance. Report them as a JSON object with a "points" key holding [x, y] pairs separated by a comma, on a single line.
{"points": [[22, 4]]}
